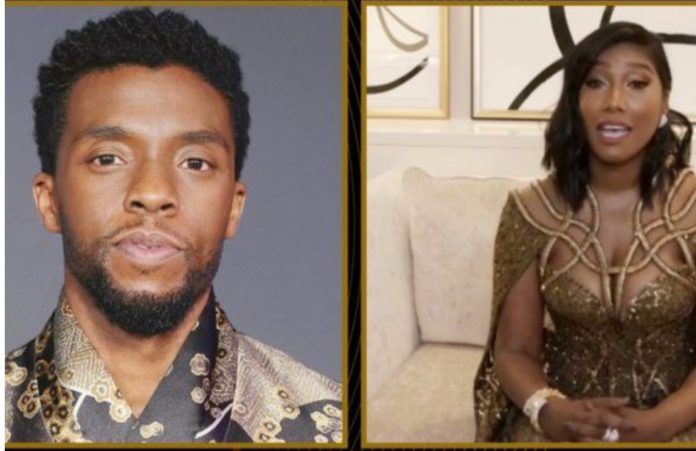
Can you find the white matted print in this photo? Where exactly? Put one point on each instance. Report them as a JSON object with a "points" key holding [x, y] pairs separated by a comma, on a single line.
{"points": [[407, 52], [517, 69]]}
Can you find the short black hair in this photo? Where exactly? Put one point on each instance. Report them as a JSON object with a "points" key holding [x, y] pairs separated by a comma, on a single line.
{"points": [[566, 147], [140, 37]]}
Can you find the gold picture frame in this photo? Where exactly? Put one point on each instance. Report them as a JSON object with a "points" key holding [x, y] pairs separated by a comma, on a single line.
{"points": [[407, 61]]}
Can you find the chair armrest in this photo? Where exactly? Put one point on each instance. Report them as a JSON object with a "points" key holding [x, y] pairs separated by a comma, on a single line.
{"points": [[391, 322]]}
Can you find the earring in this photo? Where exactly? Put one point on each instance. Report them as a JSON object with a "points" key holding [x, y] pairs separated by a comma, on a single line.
{"points": [[663, 120], [669, 161]]}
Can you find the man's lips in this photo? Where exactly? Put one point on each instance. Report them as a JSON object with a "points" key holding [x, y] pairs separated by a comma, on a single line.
{"points": [[148, 247]]}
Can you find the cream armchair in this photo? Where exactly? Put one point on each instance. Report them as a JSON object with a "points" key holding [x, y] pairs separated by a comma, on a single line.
{"points": [[429, 275]]}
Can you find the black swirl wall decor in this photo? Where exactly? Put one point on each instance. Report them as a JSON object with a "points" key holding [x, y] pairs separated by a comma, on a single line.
{"points": [[565, 43], [407, 61], [403, 46]]}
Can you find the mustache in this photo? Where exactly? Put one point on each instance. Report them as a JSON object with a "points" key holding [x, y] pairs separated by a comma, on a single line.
{"points": [[156, 226]]}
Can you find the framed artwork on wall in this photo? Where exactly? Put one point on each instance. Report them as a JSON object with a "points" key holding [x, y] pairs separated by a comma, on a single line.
{"points": [[517, 68], [407, 72]]}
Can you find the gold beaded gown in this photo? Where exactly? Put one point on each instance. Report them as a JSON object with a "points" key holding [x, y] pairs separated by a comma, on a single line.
{"points": [[627, 330]]}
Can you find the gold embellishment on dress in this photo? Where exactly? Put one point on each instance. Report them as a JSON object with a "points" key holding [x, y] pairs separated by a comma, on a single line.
{"points": [[328, 422], [611, 295], [646, 356], [518, 242], [154, 429], [200, 365], [14, 374]]}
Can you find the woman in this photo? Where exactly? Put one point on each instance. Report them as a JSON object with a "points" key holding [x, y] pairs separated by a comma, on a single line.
{"points": [[593, 331]]}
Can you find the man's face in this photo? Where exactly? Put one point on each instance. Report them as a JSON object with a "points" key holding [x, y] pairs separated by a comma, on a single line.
{"points": [[144, 191]]}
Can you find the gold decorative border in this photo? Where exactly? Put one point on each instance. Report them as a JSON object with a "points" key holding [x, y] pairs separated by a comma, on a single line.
{"points": [[343, 5]]}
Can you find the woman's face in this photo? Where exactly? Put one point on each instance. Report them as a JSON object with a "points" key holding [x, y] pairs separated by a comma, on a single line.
{"points": [[621, 102]]}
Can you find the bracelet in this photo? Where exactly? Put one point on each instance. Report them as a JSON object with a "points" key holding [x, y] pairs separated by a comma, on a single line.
{"points": [[536, 401]]}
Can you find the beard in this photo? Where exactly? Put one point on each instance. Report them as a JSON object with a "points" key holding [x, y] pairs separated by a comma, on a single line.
{"points": [[140, 313]]}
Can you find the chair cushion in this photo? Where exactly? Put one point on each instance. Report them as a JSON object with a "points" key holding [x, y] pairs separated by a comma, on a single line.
{"points": [[430, 399], [453, 222]]}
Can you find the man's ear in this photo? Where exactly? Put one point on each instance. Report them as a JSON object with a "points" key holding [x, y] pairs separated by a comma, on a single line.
{"points": [[236, 209], [43, 188]]}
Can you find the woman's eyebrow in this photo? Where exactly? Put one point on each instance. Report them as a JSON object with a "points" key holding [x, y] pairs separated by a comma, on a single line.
{"points": [[631, 64]]}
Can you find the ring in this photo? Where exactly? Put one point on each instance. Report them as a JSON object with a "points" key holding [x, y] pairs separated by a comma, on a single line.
{"points": [[611, 435]]}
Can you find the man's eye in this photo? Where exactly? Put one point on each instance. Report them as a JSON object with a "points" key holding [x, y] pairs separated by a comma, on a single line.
{"points": [[637, 84], [196, 164], [107, 159]]}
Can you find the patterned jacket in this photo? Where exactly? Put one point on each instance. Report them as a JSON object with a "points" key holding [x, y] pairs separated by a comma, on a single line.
{"points": [[223, 386]]}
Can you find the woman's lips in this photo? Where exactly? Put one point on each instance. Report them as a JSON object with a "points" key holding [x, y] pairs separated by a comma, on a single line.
{"points": [[612, 133], [148, 248]]}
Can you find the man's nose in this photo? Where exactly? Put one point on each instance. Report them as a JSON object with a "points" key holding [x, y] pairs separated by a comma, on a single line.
{"points": [[152, 190]]}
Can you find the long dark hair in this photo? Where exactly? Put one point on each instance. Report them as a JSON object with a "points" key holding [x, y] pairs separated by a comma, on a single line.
{"points": [[567, 149]]}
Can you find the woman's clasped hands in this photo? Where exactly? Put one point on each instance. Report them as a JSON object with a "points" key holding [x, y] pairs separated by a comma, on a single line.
{"points": [[607, 419]]}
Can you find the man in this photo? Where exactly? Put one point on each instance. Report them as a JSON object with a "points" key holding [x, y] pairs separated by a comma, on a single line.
{"points": [[142, 128]]}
